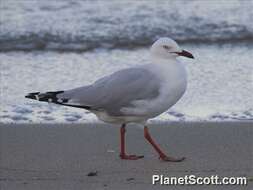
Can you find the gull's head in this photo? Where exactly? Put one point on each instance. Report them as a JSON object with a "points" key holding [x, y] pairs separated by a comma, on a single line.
{"points": [[168, 48]]}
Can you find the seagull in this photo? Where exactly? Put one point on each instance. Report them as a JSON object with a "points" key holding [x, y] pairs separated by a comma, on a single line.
{"points": [[132, 95]]}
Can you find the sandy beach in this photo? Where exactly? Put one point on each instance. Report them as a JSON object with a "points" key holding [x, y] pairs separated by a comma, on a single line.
{"points": [[63, 156]]}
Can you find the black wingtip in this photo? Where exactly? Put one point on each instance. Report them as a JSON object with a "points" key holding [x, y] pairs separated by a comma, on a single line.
{"points": [[32, 95], [52, 98]]}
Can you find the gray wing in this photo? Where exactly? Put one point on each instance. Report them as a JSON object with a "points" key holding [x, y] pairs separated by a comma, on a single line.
{"points": [[115, 91]]}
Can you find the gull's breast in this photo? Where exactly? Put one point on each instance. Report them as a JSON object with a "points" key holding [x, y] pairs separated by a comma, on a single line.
{"points": [[173, 85]]}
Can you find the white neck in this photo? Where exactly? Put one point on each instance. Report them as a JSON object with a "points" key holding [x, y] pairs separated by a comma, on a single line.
{"points": [[169, 68], [164, 61]]}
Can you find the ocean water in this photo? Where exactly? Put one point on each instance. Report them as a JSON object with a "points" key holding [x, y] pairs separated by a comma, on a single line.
{"points": [[58, 45], [84, 25]]}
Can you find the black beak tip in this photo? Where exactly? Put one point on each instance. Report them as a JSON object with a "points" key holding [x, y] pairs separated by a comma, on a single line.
{"points": [[187, 54]]}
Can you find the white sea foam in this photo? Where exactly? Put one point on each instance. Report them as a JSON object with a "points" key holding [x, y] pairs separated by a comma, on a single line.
{"points": [[84, 25], [219, 89]]}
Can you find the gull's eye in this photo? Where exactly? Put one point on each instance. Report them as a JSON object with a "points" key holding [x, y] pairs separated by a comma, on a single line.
{"points": [[166, 47]]}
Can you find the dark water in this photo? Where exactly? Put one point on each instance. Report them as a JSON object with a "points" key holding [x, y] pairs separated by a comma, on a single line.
{"points": [[84, 25]]}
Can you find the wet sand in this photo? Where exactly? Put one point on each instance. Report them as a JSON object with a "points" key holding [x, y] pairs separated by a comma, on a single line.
{"points": [[61, 156]]}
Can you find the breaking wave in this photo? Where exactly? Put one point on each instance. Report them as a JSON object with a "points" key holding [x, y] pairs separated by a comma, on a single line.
{"points": [[86, 25]]}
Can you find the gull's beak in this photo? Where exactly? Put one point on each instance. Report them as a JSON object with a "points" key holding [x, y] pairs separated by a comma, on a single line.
{"points": [[185, 54]]}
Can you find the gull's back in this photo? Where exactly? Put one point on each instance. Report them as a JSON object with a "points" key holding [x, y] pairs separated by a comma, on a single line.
{"points": [[116, 91]]}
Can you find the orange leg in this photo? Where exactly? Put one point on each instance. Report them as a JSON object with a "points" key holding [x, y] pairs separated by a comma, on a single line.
{"points": [[162, 156], [123, 154]]}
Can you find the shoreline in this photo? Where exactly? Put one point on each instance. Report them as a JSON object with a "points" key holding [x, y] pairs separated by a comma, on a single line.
{"points": [[149, 123], [57, 156]]}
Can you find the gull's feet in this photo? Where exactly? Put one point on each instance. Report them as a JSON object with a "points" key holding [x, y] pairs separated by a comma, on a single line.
{"points": [[130, 157], [171, 159]]}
